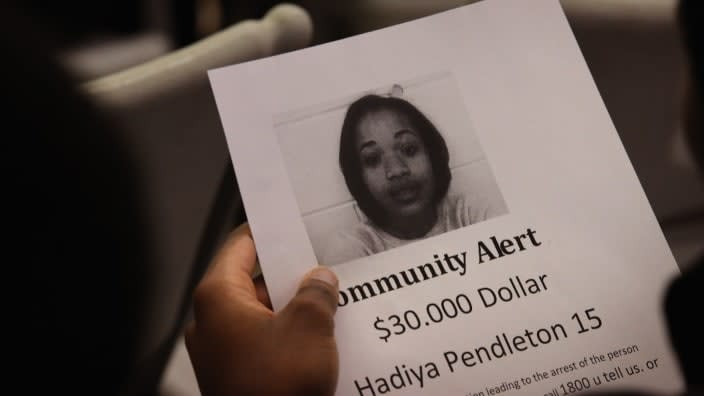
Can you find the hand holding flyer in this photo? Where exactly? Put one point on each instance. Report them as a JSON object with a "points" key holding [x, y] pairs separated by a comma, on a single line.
{"points": [[461, 176]]}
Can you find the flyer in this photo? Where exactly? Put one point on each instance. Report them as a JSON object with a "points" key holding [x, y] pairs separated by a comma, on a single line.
{"points": [[462, 177]]}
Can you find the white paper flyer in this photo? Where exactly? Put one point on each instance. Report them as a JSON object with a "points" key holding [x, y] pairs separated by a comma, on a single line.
{"points": [[462, 176]]}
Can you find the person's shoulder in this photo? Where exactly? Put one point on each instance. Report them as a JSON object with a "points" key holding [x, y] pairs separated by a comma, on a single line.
{"points": [[472, 208], [351, 243], [454, 200], [463, 209]]}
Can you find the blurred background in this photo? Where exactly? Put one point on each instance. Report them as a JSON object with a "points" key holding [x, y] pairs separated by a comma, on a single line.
{"points": [[632, 48]]}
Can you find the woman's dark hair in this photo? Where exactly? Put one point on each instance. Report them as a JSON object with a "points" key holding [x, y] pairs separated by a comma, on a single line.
{"points": [[349, 155]]}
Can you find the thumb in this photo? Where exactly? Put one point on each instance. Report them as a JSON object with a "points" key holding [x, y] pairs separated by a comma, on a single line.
{"points": [[312, 308]]}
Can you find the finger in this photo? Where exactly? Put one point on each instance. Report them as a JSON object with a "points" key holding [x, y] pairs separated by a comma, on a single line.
{"points": [[237, 255], [262, 292], [235, 262], [228, 283], [312, 308]]}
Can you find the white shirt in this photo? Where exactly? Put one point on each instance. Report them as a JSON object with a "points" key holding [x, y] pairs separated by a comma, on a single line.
{"points": [[366, 239]]}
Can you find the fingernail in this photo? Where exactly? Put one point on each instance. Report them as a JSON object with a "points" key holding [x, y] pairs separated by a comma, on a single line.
{"points": [[324, 275]]}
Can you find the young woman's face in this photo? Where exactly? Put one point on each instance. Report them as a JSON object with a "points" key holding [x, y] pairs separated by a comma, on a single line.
{"points": [[395, 165]]}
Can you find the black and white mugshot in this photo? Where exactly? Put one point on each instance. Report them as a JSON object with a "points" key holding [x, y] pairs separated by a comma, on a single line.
{"points": [[396, 165]]}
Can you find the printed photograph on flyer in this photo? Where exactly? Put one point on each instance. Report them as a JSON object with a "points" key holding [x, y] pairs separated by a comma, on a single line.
{"points": [[386, 167]]}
